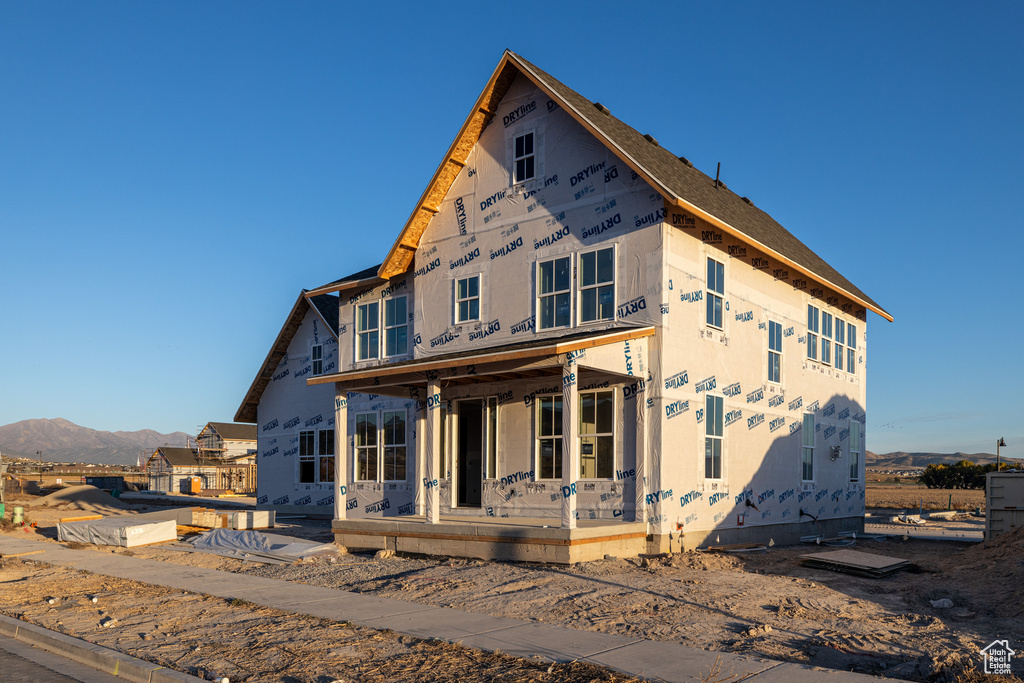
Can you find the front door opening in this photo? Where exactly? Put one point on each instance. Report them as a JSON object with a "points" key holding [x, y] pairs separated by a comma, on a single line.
{"points": [[469, 473]]}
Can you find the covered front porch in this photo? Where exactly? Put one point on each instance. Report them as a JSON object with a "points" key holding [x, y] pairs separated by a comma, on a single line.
{"points": [[520, 539], [524, 499]]}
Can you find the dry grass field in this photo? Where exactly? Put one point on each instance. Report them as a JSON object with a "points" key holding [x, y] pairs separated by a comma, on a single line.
{"points": [[910, 496]]}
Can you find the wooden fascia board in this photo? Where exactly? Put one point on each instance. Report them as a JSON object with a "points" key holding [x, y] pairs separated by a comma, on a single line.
{"points": [[554, 349], [252, 396], [584, 121], [340, 286], [740, 235], [390, 268]]}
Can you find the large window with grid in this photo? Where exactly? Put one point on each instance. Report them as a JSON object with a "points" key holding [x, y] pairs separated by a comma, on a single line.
{"points": [[325, 456], [597, 285], [714, 431], [554, 293], [381, 446], [391, 317], [549, 437], [715, 292], [597, 434]]}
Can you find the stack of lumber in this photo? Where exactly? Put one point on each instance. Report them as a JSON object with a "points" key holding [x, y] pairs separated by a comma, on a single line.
{"points": [[856, 562]]}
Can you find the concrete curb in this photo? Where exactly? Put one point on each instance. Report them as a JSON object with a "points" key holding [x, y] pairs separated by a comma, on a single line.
{"points": [[100, 658]]}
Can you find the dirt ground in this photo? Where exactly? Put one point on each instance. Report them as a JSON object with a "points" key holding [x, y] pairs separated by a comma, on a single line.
{"points": [[765, 604]]}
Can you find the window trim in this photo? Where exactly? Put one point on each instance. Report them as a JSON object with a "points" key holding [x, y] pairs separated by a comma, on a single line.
{"points": [[598, 285], [381, 330], [375, 447], [714, 294], [774, 352], [720, 438], [383, 446], [307, 457], [516, 180], [456, 300]]}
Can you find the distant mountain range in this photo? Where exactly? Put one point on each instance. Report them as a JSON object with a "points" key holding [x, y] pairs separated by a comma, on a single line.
{"points": [[59, 440], [900, 459]]}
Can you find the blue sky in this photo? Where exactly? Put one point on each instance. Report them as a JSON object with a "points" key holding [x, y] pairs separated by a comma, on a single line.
{"points": [[172, 174]]}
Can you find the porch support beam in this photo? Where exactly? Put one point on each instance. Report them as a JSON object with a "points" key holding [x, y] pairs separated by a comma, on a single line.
{"points": [[640, 503], [570, 441], [432, 451], [341, 482]]}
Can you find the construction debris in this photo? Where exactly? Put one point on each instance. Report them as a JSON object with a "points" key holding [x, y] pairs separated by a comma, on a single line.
{"points": [[856, 562]]}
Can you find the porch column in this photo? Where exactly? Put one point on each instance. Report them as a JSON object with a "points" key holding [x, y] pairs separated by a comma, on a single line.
{"points": [[432, 451], [420, 473], [340, 450], [570, 442], [640, 511]]}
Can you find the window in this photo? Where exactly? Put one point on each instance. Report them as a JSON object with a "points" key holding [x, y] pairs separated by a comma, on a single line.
{"points": [[713, 431], [380, 446], [307, 457], [851, 349], [826, 338], [840, 340], [367, 326], [774, 352], [366, 447], [855, 450], [807, 454], [492, 438], [554, 293], [467, 299], [317, 354], [394, 445], [597, 285], [716, 290], [812, 332], [326, 456], [549, 436], [524, 158], [597, 438], [395, 324]]}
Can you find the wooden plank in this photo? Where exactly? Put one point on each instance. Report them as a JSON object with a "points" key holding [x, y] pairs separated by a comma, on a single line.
{"points": [[856, 558], [83, 518]]}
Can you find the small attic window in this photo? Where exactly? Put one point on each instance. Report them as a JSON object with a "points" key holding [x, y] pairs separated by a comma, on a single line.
{"points": [[523, 161]]}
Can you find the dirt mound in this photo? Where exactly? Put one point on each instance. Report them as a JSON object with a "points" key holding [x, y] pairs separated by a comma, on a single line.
{"points": [[996, 567], [83, 497]]}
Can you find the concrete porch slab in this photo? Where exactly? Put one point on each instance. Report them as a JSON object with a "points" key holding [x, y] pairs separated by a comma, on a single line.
{"points": [[518, 539]]}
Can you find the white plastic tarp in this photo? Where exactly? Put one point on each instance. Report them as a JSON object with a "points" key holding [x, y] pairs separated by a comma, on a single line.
{"points": [[124, 532], [245, 543]]}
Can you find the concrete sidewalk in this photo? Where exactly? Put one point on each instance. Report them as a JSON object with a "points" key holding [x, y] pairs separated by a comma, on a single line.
{"points": [[645, 658]]}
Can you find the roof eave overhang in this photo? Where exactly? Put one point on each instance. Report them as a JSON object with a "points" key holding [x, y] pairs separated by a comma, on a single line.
{"points": [[252, 396], [400, 257], [479, 358]]}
